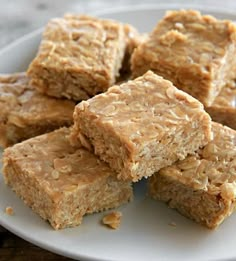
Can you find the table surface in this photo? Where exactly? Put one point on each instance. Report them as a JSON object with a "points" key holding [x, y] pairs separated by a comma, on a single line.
{"points": [[13, 248], [21, 17]]}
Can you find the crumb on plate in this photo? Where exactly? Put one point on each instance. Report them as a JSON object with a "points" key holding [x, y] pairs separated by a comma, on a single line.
{"points": [[9, 211], [112, 219]]}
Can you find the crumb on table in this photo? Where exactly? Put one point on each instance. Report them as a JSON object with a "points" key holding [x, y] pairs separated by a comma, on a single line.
{"points": [[112, 219]]}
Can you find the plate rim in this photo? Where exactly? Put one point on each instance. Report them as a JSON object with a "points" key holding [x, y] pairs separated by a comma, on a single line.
{"points": [[126, 8]]}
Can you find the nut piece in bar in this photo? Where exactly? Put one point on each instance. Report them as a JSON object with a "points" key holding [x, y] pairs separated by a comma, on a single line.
{"points": [[196, 52], [141, 126], [25, 113], [60, 182], [223, 109], [202, 186], [79, 56]]}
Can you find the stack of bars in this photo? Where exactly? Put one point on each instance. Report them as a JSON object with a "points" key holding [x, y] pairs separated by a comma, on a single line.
{"points": [[142, 127]]}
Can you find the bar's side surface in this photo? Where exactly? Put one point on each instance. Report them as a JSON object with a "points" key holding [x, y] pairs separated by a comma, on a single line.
{"points": [[25, 113], [206, 209], [79, 56], [62, 183], [223, 109], [223, 115], [202, 186]]}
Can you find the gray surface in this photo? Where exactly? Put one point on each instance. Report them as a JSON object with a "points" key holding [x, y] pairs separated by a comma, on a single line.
{"points": [[19, 17]]}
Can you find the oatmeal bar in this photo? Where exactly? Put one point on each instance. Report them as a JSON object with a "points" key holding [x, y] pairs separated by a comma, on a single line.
{"points": [[26, 113], [202, 186], [196, 52], [78, 57], [60, 182], [223, 109], [141, 126]]}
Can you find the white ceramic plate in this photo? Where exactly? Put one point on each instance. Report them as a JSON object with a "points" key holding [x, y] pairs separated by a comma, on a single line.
{"points": [[145, 232]]}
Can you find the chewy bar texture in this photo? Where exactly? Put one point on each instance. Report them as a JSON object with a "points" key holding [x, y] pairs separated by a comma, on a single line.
{"points": [[141, 126], [223, 109], [132, 39], [60, 182], [25, 113], [203, 186], [196, 52], [78, 57]]}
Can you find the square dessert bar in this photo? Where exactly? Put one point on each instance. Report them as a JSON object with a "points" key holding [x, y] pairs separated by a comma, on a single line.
{"points": [[60, 182], [223, 109], [196, 52], [26, 113], [202, 186], [78, 57], [141, 126]]}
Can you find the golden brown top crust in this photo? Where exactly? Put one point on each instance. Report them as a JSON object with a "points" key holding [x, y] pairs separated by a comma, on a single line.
{"points": [[188, 38], [213, 168], [21, 105], [75, 41], [59, 167], [187, 27], [132, 36], [146, 101], [226, 98]]}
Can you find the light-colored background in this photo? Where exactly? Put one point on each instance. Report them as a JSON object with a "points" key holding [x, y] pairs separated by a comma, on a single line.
{"points": [[18, 17]]}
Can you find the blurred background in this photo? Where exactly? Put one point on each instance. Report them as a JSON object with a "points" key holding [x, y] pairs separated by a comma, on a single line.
{"points": [[19, 17]]}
